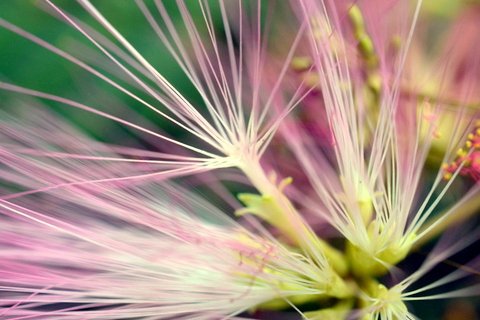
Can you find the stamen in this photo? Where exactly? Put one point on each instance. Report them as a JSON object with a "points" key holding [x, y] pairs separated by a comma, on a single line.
{"points": [[467, 162]]}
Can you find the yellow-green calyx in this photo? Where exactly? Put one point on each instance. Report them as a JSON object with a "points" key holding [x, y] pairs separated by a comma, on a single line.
{"points": [[382, 256], [339, 311], [382, 303], [336, 288]]}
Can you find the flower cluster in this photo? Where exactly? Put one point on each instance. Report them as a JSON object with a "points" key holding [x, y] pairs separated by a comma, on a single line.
{"points": [[468, 162], [291, 163]]}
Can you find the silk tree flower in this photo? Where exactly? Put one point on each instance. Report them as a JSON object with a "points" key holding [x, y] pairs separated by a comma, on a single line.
{"points": [[315, 118], [361, 200]]}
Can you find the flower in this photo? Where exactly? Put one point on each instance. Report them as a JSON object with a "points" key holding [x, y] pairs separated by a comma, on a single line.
{"points": [[379, 161], [314, 126]]}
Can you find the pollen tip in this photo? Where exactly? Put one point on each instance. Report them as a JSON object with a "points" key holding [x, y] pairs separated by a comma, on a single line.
{"points": [[285, 182], [461, 152]]}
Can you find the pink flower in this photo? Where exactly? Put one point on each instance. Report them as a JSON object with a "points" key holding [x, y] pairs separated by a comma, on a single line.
{"points": [[317, 115]]}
